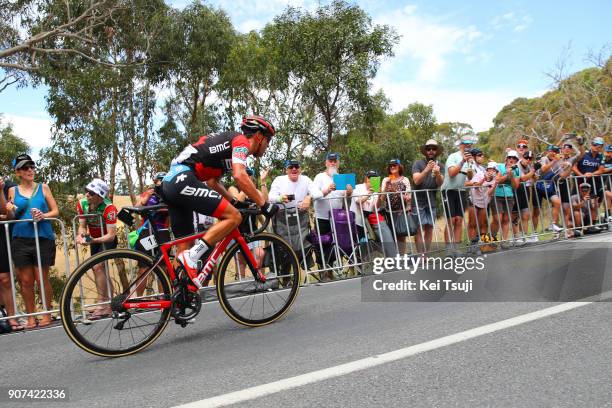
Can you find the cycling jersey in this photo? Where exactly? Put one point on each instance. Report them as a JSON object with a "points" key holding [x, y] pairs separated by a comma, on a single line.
{"points": [[106, 210], [214, 154]]}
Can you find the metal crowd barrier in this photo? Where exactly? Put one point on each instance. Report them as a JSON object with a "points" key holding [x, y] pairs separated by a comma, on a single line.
{"points": [[517, 232], [41, 289]]}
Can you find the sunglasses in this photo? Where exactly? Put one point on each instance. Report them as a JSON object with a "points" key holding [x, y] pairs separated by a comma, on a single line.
{"points": [[293, 166], [27, 167], [522, 146], [431, 149]]}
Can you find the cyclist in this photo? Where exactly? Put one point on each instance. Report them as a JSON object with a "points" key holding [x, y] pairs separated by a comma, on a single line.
{"points": [[193, 184]]}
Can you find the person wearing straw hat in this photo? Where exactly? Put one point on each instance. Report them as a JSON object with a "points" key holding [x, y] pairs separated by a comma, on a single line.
{"points": [[426, 175]]}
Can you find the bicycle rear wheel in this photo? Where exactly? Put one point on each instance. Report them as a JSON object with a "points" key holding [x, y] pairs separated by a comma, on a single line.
{"points": [[248, 301], [86, 303]]}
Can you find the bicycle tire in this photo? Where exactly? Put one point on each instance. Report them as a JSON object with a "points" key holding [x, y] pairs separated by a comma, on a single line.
{"points": [[78, 291], [233, 294]]}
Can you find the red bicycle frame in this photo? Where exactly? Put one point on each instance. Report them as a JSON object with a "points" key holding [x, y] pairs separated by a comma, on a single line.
{"points": [[202, 276]]}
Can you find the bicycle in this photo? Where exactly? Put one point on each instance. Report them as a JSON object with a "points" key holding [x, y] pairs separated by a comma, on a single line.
{"points": [[137, 315]]}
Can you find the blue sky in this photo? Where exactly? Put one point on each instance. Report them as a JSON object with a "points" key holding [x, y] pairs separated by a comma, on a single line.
{"points": [[467, 59]]}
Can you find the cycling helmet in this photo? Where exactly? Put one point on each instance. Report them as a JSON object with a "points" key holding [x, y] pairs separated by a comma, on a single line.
{"points": [[254, 123], [98, 187], [159, 175]]}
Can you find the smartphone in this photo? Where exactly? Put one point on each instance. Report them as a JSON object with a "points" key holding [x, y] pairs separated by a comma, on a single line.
{"points": [[87, 238], [290, 197]]}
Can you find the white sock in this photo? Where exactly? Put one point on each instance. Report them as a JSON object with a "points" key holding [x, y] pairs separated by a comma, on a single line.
{"points": [[196, 252]]}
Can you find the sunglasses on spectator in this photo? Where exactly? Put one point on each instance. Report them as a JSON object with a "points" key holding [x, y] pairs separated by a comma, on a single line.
{"points": [[522, 146], [431, 149], [293, 166], [28, 167]]}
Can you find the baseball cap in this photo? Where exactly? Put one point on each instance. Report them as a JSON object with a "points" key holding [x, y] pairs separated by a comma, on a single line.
{"points": [[98, 186], [394, 161], [475, 151], [22, 160], [492, 165], [552, 148], [598, 141], [608, 148], [512, 153], [332, 156], [292, 162], [371, 173], [584, 186]]}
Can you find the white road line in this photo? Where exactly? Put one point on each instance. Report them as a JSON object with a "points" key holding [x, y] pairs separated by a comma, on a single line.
{"points": [[369, 362]]}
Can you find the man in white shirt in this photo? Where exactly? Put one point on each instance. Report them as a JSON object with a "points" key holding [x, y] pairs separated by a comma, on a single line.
{"points": [[294, 189], [332, 198]]}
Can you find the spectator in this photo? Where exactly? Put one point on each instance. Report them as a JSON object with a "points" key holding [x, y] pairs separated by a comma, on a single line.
{"points": [[294, 189], [608, 182], [520, 212], [334, 198], [399, 202], [507, 181], [30, 200], [160, 221], [583, 206], [454, 195], [590, 164], [6, 291], [551, 170], [364, 203], [426, 175], [97, 229], [522, 146], [480, 184]]}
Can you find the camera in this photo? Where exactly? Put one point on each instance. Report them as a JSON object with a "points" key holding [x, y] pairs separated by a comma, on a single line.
{"points": [[290, 197]]}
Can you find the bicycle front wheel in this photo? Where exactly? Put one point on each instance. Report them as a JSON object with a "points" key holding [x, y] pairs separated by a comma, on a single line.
{"points": [[86, 303], [248, 301]]}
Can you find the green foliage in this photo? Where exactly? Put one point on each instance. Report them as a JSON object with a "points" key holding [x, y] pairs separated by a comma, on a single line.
{"points": [[11, 146]]}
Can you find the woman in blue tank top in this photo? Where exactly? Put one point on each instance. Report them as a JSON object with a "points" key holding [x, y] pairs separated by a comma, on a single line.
{"points": [[32, 201]]}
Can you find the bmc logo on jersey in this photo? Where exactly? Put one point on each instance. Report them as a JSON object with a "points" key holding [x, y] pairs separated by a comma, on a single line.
{"points": [[199, 192], [219, 148]]}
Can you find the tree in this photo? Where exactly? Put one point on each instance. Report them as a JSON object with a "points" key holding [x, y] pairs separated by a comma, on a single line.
{"points": [[330, 56], [11, 146], [195, 49], [35, 32]]}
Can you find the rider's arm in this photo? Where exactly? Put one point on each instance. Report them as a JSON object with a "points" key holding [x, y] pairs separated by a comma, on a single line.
{"points": [[245, 184]]}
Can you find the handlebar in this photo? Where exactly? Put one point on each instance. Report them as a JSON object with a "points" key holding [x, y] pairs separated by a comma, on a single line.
{"points": [[255, 210]]}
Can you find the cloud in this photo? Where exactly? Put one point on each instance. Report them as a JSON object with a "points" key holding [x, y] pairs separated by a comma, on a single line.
{"points": [[512, 20], [427, 40], [476, 107], [36, 130]]}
